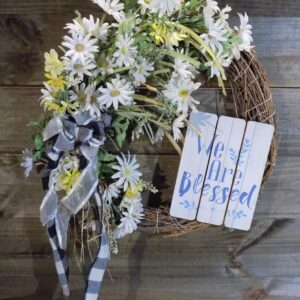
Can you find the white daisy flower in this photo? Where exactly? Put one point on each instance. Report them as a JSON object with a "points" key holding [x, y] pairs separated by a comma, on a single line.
{"points": [[125, 55], [209, 11], [78, 94], [136, 133], [165, 7], [91, 103], [224, 15], [79, 68], [143, 70], [184, 69], [179, 92], [27, 163], [86, 96], [177, 125], [118, 91], [113, 8], [105, 65], [95, 29], [245, 33], [145, 4], [159, 134], [75, 27], [102, 32], [47, 93], [215, 36], [111, 192], [132, 215], [214, 69], [80, 47], [89, 26], [127, 174]]}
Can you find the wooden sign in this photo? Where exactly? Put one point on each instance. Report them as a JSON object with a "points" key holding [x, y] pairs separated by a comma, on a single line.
{"points": [[249, 175], [221, 170], [193, 164]]}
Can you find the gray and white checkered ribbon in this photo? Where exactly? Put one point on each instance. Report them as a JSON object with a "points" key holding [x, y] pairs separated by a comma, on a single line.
{"points": [[99, 265], [97, 268], [61, 262]]}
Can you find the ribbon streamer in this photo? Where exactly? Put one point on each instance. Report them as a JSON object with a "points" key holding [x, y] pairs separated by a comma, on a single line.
{"points": [[62, 134], [63, 209], [99, 265]]}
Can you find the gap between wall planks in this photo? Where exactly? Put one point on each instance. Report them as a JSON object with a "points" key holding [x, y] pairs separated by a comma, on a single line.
{"points": [[196, 266]]}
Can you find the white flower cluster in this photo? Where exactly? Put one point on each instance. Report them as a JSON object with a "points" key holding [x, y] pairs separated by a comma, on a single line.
{"points": [[115, 8], [128, 179], [132, 211], [217, 37]]}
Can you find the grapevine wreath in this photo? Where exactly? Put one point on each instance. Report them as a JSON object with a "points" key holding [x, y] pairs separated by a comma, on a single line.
{"points": [[130, 71]]}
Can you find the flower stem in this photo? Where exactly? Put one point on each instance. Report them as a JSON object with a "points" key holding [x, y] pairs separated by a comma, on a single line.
{"points": [[121, 69], [188, 123], [146, 99], [172, 141], [182, 56], [161, 71]]}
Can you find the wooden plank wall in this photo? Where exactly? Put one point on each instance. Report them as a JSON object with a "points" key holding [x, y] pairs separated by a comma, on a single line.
{"points": [[212, 264]]}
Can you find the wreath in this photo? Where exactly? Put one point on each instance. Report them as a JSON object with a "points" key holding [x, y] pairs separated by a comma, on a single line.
{"points": [[131, 71]]}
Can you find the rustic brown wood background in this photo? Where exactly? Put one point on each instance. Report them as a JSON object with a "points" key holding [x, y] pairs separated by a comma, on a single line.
{"points": [[212, 264]]}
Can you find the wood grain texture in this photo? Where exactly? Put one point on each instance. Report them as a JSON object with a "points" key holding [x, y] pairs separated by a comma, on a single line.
{"points": [[20, 197], [214, 264], [197, 266], [20, 105]]}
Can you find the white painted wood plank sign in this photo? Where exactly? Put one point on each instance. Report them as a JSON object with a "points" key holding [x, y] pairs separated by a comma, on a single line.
{"points": [[193, 164], [247, 183], [221, 170]]}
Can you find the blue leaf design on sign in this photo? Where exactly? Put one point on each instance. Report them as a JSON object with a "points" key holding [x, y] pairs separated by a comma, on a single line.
{"points": [[245, 149], [233, 155], [190, 205], [236, 214]]}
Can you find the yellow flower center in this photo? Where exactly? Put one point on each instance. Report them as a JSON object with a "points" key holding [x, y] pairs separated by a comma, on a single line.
{"points": [[124, 50], [115, 93], [141, 70], [82, 98], [183, 93], [77, 66], [79, 47], [212, 36], [127, 172], [103, 64], [147, 1]]}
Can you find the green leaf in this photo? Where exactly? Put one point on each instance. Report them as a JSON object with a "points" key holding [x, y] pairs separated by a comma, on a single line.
{"points": [[120, 126], [106, 157], [129, 4], [39, 123], [38, 142], [37, 155]]}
